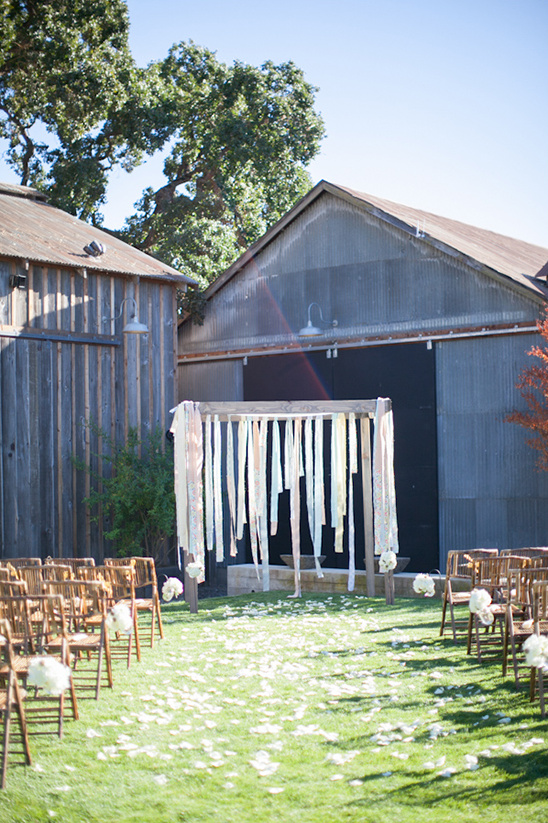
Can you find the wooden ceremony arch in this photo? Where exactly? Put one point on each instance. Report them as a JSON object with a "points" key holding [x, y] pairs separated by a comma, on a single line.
{"points": [[364, 411]]}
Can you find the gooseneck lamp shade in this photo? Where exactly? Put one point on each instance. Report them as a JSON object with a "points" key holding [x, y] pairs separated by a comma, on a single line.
{"points": [[133, 326], [313, 331], [309, 330]]}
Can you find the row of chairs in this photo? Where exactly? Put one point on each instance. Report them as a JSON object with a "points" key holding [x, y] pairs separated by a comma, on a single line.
{"points": [[129, 583], [517, 584], [63, 611]]}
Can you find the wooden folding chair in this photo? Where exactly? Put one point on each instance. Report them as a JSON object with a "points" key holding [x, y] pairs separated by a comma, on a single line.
{"points": [[120, 583], [528, 551], [145, 578], [460, 570], [11, 697], [36, 622], [32, 576], [75, 563], [85, 608], [519, 614], [492, 574], [22, 561], [540, 622]]}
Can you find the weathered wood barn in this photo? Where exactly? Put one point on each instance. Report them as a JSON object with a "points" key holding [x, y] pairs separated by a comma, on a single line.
{"points": [[435, 314], [67, 291]]}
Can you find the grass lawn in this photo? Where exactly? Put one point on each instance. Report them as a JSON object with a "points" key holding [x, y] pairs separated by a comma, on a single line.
{"points": [[319, 710]]}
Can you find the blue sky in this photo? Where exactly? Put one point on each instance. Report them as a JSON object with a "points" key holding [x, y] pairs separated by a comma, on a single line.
{"points": [[438, 105]]}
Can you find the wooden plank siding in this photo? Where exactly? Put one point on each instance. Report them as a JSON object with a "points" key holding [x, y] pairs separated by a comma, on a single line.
{"points": [[63, 364]]}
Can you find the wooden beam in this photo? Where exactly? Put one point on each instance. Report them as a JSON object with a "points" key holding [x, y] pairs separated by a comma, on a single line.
{"points": [[279, 408]]}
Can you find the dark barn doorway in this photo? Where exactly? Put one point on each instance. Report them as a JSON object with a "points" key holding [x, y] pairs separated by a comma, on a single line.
{"points": [[406, 374]]}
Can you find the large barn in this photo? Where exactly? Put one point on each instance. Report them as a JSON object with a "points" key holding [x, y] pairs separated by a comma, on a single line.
{"points": [[433, 313], [68, 293]]}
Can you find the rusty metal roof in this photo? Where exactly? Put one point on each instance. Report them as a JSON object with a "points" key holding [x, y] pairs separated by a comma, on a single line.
{"points": [[31, 229], [522, 262]]}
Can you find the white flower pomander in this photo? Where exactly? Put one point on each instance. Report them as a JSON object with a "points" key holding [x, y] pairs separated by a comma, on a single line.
{"points": [[171, 588], [387, 561], [119, 619], [50, 675], [536, 651], [485, 616], [193, 569], [480, 599], [423, 584]]}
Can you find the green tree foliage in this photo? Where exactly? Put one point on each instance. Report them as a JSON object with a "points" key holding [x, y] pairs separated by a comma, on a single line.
{"points": [[73, 105], [135, 500]]}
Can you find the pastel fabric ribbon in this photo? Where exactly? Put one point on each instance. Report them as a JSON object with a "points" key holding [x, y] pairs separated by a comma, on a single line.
{"points": [[188, 463], [352, 469], [385, 522], [276, 478], [217, 490], [208, 485], [231, 486], [338, 478]]}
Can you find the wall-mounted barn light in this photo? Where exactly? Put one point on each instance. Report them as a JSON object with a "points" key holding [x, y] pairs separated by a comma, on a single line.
{"points": [[133, 327], [18, 281], [313, 331]]}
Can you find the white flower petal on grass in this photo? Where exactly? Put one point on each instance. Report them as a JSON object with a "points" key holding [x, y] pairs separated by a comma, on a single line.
{"points": [[275, 789], [101, 756], [92, 733], [471, 762], [447, 772], [266, 728], [160, 779], [337, 777], [356, 782]]}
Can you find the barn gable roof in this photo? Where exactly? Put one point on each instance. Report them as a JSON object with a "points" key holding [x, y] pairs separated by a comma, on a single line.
{"points": [[521, 262], [31, 229]]}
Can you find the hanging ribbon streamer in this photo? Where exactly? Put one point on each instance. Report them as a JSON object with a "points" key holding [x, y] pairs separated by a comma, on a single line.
{"points": [[231, 486], [319, 500], [276, 479], [188, 460], [338, 478], [241, 516], [217, 491], [208, 484], [309, 473], [261, 498], [252, 505], [384, 491], [295, 504], [352, 469]]}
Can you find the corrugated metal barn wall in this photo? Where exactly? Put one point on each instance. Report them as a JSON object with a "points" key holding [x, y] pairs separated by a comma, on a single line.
{"points": [[377, 279], [490, 492], [62, 365], [373, 278]]}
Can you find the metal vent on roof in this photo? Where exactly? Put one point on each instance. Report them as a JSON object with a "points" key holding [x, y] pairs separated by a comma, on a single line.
{"points": [[95, 249]]}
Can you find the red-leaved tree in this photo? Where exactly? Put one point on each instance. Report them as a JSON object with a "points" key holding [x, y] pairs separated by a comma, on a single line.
{"points": [[533, 385]]}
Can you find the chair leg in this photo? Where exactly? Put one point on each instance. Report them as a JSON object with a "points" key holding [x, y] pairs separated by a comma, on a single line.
{"points": [[136, 631], [443, 610], [532, 685], [6, 739], [159, 615], [540, 675]]}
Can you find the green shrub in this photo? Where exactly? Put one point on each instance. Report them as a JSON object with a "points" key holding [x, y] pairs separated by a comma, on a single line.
{"points": [[135, 500]]}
